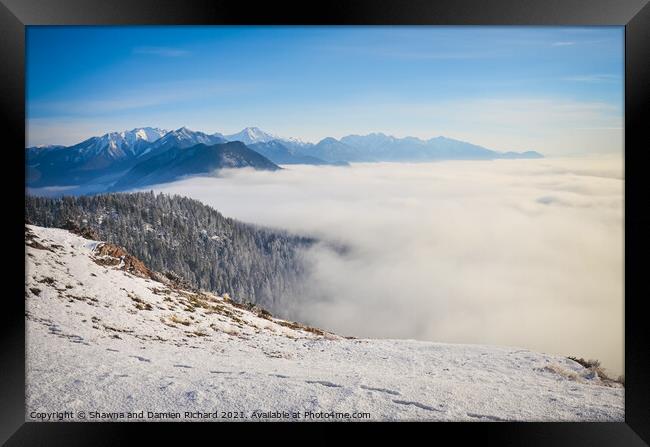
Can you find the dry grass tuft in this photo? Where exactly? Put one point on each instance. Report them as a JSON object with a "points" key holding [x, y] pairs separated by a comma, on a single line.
{"points": [[178, 320], [595, 367]]}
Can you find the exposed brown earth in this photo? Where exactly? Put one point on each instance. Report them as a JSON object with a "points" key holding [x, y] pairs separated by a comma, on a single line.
{"points": [[108, 254]]}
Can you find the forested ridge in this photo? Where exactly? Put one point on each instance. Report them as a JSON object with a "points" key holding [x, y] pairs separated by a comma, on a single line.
{"points": [[184, 236]]}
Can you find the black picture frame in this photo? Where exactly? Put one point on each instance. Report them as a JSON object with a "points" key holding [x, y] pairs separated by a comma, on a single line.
{"points": [[633, 14]]}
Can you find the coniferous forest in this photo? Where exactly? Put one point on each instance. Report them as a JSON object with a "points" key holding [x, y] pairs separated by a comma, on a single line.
{"points": [[181, 235]]}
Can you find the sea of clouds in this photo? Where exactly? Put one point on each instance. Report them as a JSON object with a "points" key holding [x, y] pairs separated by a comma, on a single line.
{"points": [[523, 253]]}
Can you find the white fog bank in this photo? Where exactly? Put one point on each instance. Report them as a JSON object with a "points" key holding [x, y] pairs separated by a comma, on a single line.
{"points": [[511, 252]]}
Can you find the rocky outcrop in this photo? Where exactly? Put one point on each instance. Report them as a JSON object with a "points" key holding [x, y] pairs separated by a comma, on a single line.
{"points": [[108, 254], [84, 232]]}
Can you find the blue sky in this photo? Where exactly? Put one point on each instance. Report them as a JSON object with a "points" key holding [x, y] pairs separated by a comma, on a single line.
{"points": [[558, 90]]}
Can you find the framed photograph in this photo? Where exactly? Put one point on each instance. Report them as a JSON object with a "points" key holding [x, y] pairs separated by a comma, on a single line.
{"points": [[362, 213]]}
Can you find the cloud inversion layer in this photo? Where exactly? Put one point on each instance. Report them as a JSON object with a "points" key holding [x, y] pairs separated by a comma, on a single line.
{"points": [[513, 252]]}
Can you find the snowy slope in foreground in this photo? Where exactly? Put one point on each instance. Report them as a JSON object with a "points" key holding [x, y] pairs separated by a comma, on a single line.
{"points": [[104, 334]]}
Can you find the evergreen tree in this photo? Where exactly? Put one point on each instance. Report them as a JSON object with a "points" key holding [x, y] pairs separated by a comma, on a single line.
{"points": [[182, 235]]}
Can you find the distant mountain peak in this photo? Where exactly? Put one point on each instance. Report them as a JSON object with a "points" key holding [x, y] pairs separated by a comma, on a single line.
{"points": [[185, 137], [328, 140], [184, 131], [250, 135], [148, 134]]}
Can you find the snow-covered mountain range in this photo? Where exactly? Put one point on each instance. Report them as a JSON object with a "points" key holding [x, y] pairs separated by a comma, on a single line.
{"points": [[107, 336], [102, 160], [116, 145]]}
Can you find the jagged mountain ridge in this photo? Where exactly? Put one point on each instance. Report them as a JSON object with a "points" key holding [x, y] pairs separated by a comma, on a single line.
{"points": [[104, 159], [92, 158], [180, 138]]}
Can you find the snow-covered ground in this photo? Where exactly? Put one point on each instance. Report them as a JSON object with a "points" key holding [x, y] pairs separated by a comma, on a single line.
{"points": [[101, 339]]}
